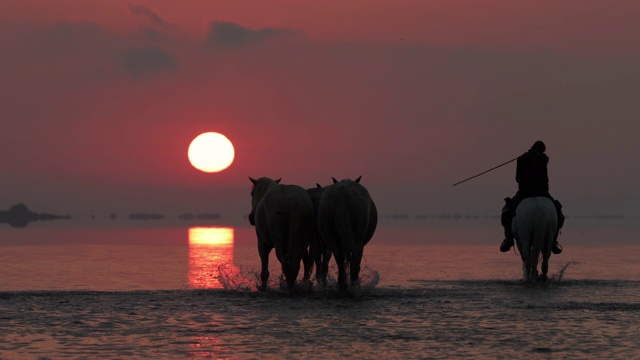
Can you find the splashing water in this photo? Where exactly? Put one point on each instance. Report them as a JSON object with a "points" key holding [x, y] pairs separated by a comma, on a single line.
{"points": [[369, 279], [557, 277], [231, 278]]}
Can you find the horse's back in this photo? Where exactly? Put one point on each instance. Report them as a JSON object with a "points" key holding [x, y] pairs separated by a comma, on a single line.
{"points": [[287, 203], [287, 211]]}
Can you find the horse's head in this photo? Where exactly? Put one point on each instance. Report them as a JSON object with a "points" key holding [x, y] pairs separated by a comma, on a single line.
{"points": [[259, 188]]}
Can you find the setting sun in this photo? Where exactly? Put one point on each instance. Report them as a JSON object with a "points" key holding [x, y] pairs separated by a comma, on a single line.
{"points": [[211, 152]]}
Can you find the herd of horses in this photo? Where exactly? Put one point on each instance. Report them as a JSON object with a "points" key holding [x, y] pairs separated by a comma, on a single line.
{"points": [[309, 226]]}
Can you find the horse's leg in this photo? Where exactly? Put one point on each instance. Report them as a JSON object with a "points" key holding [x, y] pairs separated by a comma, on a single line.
{"points": [[279, 231], [532, 268], [316, 257], [317, 252], [546, 253], [282, 258], [545, 265], [356, 258], [528, 265], [264, 250], [524, 252], [328, 244], [294, 269], [342, 274], [324, 258], [529, 261], [307, 260]]}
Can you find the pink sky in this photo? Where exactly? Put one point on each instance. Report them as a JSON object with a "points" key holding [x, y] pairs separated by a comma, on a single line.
{"points": [[100, 100]]}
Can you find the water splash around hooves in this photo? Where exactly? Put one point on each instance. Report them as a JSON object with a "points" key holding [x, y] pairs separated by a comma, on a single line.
{"points": [[233, 278]]}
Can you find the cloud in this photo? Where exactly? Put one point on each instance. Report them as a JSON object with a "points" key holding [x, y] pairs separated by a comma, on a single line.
{"points": [[149, 14], [154, 35], [88, 51], [140, 62], [229, 35]]}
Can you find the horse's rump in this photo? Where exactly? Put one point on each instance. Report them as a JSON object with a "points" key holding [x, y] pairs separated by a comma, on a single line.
{"points": [[288, 216], [344, 215]]}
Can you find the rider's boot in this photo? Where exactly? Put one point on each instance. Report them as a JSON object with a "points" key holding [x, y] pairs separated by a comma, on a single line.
{"points": [[507, 243], [505, 219], [556, 248]]}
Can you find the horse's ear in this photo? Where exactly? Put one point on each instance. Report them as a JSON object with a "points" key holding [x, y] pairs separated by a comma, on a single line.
{"points": [[278, 181], [334, 180], [254, 181], [358, 179], [318, 186]]}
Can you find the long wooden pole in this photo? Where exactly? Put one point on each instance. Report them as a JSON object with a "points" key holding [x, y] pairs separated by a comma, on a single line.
{"points": [[484, 172]]}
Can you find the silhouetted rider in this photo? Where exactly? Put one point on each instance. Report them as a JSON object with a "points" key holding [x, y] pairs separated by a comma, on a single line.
{"points": [[533, 180]]}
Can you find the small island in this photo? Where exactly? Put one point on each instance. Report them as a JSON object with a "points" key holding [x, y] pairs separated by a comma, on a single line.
{"points": [[20, 216]]}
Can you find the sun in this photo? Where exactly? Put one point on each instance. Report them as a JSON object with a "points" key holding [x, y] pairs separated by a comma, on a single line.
{"points": [[211, 152]]}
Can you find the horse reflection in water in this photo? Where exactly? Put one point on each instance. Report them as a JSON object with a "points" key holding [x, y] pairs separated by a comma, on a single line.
{"points": [[347, 219], [283, 218], [534, 227]]}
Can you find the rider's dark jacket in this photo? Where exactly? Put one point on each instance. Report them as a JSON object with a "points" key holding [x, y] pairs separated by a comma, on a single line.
{"points": [[531, 174]]}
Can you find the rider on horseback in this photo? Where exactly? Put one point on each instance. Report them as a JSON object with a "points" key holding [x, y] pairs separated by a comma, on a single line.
{"points": [[532, 178]]}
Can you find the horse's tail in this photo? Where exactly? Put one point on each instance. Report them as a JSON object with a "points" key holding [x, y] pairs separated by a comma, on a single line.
{"points": [[295, 247], [298, 236], [539, 235], [343, 226]]}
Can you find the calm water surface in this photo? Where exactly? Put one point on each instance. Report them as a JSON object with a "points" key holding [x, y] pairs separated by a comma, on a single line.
{"points": [[437, 291]]}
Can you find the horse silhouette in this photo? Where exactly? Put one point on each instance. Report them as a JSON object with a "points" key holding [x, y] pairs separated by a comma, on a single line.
{"points": [[283, 217], [534, 227], [347, 220]]}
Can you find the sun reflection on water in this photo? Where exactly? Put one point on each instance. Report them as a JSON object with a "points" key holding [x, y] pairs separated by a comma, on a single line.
{"points": [[209, 247]]}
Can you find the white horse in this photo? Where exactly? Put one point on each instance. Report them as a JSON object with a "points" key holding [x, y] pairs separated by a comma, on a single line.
{"points": [[284, 218], [347, 219], [534, 227]]}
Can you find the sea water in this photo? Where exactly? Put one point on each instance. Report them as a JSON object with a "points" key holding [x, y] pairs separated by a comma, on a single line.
{"points": [[433, 290]]}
